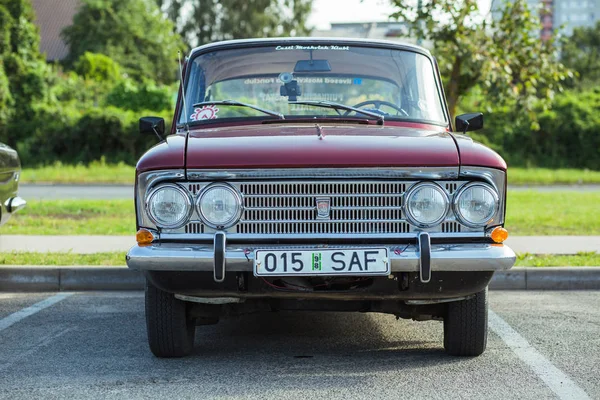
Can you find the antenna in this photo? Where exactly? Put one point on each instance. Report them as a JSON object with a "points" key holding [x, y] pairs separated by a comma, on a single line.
{"points": [[185, 109]]}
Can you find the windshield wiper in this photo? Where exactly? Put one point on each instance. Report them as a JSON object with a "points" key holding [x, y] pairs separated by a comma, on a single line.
{"points": [[239, 104], [338, 106]]}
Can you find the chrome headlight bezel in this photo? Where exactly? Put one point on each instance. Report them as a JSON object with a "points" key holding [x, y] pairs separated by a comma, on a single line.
{"points": [[188, 204], [238, 199], [456, 210], [409, 215]]}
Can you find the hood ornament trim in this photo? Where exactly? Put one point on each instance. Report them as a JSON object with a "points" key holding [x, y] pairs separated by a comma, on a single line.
{"points": [[319, 131]]}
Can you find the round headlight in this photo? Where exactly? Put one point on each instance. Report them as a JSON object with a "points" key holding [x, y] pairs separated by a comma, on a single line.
{"points": [[219, 205], [476, 204], [169, 206], [426, 205]]}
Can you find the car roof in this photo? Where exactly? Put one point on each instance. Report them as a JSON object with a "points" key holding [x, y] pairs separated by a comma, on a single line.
{"points": [[310, 41]]}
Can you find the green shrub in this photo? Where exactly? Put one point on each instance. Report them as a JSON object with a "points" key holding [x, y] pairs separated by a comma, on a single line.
{"points": [[568, 134], [97, 67], [6, 100], [72, 137], [130, 95]]}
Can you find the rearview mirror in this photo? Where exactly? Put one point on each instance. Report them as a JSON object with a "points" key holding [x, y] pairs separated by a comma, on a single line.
{"points": [[312, 66], [469, 122], [154, 125]]}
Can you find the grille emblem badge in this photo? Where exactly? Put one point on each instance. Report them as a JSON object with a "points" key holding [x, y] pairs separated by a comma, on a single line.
{"points": [[323, 207]]}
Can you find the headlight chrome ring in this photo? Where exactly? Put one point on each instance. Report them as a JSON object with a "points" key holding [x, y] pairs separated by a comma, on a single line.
{"points": [[410, 213], [235, 217], [461, 192], [187, 203]]}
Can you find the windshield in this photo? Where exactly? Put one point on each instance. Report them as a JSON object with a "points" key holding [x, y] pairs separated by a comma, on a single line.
{"points": [[396, 84]]}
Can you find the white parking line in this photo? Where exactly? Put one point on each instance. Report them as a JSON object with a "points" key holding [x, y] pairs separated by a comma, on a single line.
{"points": [[556, 380], [26, 312]]}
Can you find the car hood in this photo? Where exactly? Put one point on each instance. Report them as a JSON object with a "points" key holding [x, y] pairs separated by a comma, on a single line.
{"points": [[301, 146]]}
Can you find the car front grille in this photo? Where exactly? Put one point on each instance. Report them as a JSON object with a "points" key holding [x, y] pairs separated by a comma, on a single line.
{"points": [[355, 207]]}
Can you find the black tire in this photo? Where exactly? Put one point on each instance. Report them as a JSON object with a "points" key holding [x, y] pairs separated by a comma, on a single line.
{"points": [[466, 326], [170, 329]]}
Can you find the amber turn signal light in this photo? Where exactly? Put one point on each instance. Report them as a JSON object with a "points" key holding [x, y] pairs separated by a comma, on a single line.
{"points": [[144, 237], [499, 234]]}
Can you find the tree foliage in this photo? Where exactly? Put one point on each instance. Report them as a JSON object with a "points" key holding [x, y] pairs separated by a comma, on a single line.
{"points": [[97, 67], [504, 56], [568, 134], [581, 52], [206, 21], [134, 33], [23, 70]]}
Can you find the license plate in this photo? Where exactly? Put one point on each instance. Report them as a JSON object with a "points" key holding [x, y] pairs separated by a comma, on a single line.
{"points": [[321, 262]]}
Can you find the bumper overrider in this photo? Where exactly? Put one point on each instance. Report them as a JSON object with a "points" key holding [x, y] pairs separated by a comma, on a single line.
{"points": [[220, 258]]}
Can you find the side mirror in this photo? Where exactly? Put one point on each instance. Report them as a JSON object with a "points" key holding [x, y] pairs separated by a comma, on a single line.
{"points": [[469, 122], [155, 125]]}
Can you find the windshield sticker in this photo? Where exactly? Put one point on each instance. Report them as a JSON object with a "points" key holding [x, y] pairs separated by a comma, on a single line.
{"points": [[259, 81], [300, 47], [331, 81], [276, 97], [206, 112]]}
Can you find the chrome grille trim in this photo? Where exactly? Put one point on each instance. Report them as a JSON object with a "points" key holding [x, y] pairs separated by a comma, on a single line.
{"points": [[409, 173], [194, 228], [287, 209], [254, 238], [447, 177]]}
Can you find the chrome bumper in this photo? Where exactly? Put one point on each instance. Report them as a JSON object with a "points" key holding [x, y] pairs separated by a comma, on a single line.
{"points": [[14, 204], [443, 257]]}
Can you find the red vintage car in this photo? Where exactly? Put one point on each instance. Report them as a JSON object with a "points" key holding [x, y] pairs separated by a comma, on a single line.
{"points": [[317, 174]]}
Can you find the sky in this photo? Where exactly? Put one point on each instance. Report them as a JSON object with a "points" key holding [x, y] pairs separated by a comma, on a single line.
{"points": [[326, 12]]}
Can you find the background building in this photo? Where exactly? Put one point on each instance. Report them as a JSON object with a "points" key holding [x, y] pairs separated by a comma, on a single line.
{"points": [[52, 16], [562, 15], [370, 30], [575, 13]]}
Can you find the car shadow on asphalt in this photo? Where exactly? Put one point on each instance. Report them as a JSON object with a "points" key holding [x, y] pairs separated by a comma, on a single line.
{"points": [[340, 340]]}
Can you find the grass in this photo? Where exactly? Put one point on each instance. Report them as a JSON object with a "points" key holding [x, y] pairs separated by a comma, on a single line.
{"points": [[528, 213], [31, 258], [100, 172], [585, 259], [118, 258], [544, 176], [553, 213], [73, 217], [96, 172]]}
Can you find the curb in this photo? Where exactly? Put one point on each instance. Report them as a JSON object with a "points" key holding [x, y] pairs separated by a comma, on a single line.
{"points": [[35, 278], [547, 278], [24, 278]]}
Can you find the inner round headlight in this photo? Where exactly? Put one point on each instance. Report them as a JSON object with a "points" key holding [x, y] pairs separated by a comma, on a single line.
{"points": [[219, 205], [476, 204], [426, 205], [169, 206]]}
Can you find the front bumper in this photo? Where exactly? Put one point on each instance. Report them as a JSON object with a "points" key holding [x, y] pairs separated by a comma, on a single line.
{"points": [[15, 204], [240, 258]]}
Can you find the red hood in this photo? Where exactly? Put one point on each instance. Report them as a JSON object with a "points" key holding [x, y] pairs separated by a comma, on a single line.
{"points": [[299, 146]]}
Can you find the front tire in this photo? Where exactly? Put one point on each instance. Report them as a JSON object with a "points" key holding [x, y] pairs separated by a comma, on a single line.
{"points": [[466, 326], [170, 329]]}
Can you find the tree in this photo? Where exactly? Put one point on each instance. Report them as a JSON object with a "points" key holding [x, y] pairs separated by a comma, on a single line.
{"points": [[134, 33], [581, 52], [214, 20], [23, 70], [505, 56]]}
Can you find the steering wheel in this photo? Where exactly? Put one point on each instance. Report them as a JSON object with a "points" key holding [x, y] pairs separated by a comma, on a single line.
{"points": [[378, 104]]}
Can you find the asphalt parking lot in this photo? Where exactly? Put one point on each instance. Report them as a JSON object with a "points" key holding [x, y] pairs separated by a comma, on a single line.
{"points": [[93, 344]]}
